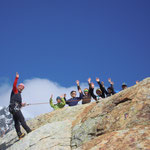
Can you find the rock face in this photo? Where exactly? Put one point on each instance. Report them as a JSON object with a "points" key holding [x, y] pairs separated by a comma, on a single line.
{"points": [[137, 138], [6, 121], [119, 122], [50, 136]]}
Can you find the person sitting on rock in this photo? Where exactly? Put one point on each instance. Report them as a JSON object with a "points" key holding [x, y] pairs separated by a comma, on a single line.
{"points": [[60, 102], [73, 100], [87, 93], [124, 86]]}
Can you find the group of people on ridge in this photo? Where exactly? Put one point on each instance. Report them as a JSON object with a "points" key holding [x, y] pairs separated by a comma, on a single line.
{"points": [[16, 100], [88, 94]]}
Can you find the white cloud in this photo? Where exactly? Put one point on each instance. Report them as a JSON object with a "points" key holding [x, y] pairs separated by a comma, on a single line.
{"points": [[1, 107], [37, 91]]}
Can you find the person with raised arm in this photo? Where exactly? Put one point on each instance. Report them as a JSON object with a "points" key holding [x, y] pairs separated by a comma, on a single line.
{"points": [[98, 96], [15, 108], [110, 90], [74, 99], [100, 91], [87, 92], [60, 102]]}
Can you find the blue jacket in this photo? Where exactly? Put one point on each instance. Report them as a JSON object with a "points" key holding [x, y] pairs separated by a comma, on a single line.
{"points": [[74, 101]]}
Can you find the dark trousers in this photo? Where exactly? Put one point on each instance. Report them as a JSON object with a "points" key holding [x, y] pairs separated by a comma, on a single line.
{"points": [[19, 119]]}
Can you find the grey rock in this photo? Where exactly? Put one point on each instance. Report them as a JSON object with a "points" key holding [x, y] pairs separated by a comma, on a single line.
{"points": [[56, 135]]}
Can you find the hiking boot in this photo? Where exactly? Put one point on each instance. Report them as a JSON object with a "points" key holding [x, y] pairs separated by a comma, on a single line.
{"points": [[21, 136], [29, 131]]}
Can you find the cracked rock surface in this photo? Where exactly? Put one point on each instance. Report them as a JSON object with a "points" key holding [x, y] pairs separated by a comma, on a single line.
{"points": [[119, 122], [56, 135]]}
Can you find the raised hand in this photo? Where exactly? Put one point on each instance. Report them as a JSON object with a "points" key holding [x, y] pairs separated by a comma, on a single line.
{"points": [[77, 82], [137, 82], [97, 79], [89, 80], [92, 85], [23, 104], [51, 96], [109, 80], [17, 75], [62, 96], [112, 82]]}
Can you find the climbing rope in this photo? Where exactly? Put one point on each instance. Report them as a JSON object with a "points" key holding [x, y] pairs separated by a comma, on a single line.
{"points": [[48, 102], [37, 103]]}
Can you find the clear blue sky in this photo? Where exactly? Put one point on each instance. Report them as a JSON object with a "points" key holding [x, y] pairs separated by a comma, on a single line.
{"points": [[65, 40]]}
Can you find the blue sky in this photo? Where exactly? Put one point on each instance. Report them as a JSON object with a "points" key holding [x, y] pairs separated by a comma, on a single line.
{"points": [[75, 39]]}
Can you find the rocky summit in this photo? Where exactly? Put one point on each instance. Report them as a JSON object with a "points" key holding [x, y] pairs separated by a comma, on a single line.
{"points": [[119, 122]]}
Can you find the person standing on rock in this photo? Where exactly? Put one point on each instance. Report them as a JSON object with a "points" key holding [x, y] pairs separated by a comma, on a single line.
{"points": [[74, 100], [15, 108], [60, 102], [87, 93]]}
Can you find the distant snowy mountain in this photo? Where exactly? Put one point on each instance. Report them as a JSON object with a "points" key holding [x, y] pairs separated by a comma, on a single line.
{"points": [[6, 121]]}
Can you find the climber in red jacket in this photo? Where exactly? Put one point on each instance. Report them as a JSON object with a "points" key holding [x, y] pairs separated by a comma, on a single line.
{"points": [[15, 108]]}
